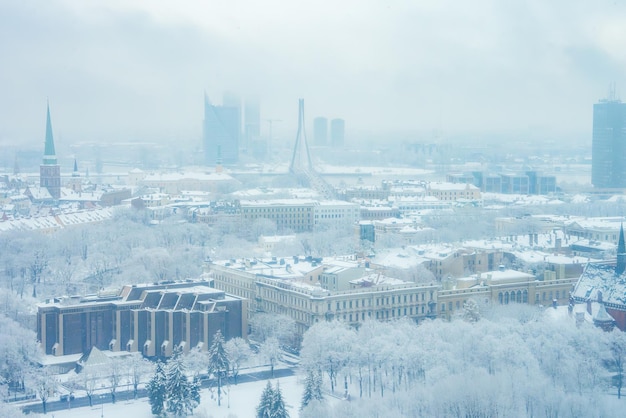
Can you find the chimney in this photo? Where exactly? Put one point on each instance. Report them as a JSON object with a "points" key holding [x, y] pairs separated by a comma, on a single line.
{"points": [[589, 306], [599, 296]]}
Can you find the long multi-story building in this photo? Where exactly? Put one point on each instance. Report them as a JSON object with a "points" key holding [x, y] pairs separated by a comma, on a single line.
{"points": [[301, 215], [608, 169], [310, 290], [149, 318]]}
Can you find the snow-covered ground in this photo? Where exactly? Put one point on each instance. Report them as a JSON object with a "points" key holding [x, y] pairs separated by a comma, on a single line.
{"points": [[241, 402]]}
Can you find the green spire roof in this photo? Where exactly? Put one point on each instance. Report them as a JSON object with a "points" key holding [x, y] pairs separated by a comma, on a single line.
{"points": [[49, 155]]}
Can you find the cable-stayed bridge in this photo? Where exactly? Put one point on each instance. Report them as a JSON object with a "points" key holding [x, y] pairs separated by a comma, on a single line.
{"points": [[302, 167]]}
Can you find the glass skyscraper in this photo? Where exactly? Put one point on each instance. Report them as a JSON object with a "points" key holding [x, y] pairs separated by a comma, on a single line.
{"points": [[608, 154]]}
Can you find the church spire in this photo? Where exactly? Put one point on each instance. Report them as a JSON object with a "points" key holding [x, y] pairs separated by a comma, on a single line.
{"points": [[621, 252], [49, 154]]}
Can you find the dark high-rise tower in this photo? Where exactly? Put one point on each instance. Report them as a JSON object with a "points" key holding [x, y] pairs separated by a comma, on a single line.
{"points": [[608, 151], [221, 127], [50, 171]]}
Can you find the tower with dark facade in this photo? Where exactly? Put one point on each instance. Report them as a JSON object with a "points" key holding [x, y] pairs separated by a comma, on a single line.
{"points": [[608, 165], [221, 128], [50, 171]]}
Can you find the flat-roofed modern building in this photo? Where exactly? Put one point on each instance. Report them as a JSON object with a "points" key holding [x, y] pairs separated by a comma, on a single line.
{"points": [[150, 318]]}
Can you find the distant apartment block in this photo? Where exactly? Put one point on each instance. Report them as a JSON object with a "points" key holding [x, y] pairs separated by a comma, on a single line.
{"points": [[149, 318], [529, 182]]}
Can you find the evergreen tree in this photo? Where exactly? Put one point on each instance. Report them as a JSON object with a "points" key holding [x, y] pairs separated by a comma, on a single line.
{"points": [[195, 391], [182, 398], [272, 404], [264, 409], [312, 388], [157, 390], [278, 404], [218, 362]]}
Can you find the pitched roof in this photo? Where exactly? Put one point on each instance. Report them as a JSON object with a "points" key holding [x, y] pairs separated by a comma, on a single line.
{"points": [[93, 358], [601, 278]]}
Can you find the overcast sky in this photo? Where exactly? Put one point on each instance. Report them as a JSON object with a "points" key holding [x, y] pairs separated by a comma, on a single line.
{"points": [[136, 69]]}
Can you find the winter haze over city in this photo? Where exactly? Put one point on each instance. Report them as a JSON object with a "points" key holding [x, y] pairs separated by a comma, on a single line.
{"points": [[312, 209]]}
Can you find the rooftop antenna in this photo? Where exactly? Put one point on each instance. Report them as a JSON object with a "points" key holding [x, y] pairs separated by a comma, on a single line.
{"points": [[612, 93]]}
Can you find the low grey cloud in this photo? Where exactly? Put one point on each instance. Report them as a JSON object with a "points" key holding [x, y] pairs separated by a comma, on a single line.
{"points": [[137, 69]]}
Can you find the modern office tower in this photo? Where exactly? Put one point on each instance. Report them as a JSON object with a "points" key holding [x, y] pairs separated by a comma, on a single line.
{"points": [[337, 132], [252, 120], [221, 127], [50, 171], [608, 150], [232, 99], [320, 131]]}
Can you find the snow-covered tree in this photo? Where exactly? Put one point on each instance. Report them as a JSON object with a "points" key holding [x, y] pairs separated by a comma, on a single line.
{"points": [[157, 390], [326, 346], [196, 360], [182, 397], [138, 367], [46, 385], [279, 410], [270, 352], [272, 404], [264, 408], [239, 352], [115, 371], [312, 388], [281, 327], [471, 310], [19, 352], [617, 345], [218, 362]]}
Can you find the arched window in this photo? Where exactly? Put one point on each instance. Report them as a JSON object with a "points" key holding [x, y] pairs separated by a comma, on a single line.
{"points": [[506, 298], [500, 298]]}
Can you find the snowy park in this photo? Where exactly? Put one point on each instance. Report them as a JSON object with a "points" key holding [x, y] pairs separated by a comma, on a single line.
{"points": [[240, 401]]}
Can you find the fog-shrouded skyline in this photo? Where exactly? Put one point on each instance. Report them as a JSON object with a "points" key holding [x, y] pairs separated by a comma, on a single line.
{"points": [[137, 69]]}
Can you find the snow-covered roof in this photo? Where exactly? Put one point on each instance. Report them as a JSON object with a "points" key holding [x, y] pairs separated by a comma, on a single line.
{"points": [[60, 220], [377, 279], [600, 277], [538, 256], [70, 195]]}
